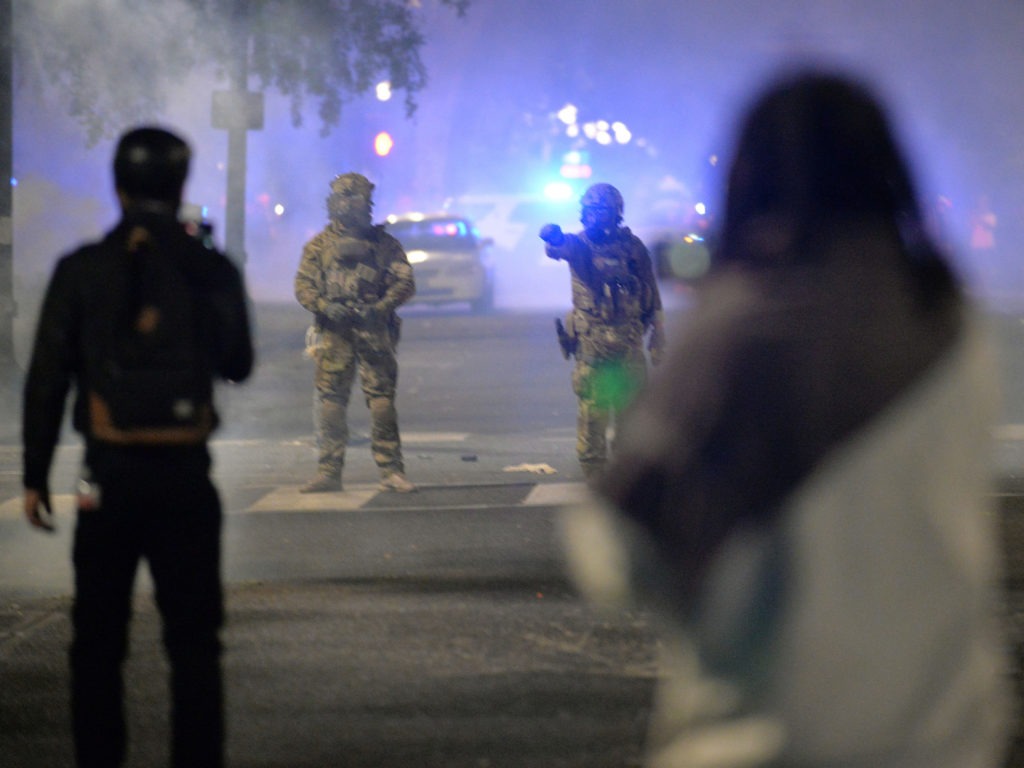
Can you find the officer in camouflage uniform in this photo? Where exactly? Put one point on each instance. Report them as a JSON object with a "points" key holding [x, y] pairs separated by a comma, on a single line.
{"points": [[352, 277], [615, 303]]}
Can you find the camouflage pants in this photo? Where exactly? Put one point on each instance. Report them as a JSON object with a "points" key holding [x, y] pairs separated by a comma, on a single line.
{"points": [[339, 359], [603, 389]]}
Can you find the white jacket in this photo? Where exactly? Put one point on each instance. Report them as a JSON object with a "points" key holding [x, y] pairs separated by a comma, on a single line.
{"points": [[859, 627]]}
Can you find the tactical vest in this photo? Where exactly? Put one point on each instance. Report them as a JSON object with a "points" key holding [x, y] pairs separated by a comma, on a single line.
{"points": [[612, 292], [353, 271]]}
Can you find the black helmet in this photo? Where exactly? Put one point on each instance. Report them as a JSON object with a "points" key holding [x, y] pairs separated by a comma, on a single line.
{"points": [[151, 164], [603, 196]]}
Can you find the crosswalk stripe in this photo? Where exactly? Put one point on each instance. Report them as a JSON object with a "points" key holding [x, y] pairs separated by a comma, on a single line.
{"points": [[63, 504], [408, 438], [1008, 432], [556, 494], [288, 499]]}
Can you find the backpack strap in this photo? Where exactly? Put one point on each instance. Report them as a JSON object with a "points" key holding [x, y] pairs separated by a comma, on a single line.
{"points": [[102, 428], [194, 418]]}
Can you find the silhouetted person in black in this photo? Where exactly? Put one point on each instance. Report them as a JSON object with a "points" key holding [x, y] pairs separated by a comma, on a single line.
{"points": [[145, 492]]}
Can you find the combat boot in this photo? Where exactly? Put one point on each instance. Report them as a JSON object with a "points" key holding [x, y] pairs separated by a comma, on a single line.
{"points": [[322, 484], [395, 481]]}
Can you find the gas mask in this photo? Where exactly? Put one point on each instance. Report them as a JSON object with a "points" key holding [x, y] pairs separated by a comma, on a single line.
{"points": [[350, 203], [601, 213], [599, 222]]}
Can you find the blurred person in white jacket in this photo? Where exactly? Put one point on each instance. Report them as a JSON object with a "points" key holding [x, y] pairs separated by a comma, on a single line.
{"points": [[799, 495]]}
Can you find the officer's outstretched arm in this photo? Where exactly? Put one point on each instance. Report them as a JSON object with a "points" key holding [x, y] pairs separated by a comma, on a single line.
{"points": [[555, 241]]}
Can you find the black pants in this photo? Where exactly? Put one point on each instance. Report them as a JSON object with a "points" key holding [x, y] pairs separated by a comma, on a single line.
{"points": [[157, 504]]}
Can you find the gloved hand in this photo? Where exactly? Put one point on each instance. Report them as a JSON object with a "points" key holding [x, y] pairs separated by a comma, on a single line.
{"points": [[370, 314], [552, 234], [336, 312]]}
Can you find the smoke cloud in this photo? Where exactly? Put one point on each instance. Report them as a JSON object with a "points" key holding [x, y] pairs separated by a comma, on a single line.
{"points": [[675, 74]]}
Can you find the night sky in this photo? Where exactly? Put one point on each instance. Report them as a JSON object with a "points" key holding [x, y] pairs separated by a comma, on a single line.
{"points": [[677, 73]]}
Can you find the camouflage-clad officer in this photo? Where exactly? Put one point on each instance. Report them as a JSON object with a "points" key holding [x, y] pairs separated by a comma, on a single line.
{"points": [[352, 277], [615, 303]]}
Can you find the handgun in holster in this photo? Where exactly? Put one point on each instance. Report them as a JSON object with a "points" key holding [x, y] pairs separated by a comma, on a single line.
{"points": [[567, 342]]}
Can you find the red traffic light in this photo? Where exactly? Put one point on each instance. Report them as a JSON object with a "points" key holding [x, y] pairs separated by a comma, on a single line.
{"points": [[383, 144]]}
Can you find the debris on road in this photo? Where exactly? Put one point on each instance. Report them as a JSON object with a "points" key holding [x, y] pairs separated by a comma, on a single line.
{"points": [[537, 469]]}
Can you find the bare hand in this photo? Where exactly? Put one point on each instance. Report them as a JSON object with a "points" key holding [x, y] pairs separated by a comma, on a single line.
{"points": [[38, 510]]}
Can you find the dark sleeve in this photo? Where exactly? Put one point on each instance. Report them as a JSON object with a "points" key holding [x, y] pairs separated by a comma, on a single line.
{"points": [[399, 281], [572, 249], [309, 276], [234, 356], [51, 371], [576, 253]]}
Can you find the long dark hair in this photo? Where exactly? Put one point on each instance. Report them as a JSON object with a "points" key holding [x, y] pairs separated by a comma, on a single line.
{"points": [[816, 148]]}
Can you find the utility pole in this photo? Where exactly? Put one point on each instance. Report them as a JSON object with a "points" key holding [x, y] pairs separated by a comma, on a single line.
{"points": [[7, 306], [237, 111]]}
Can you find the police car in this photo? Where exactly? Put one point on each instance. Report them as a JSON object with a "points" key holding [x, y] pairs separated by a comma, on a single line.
{"points": [[448, 257]]}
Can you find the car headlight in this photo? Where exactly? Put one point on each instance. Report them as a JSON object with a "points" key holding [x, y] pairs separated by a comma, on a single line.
{"points": [[417, 257]]}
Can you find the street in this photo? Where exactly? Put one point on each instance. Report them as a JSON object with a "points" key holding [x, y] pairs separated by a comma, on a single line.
{"points": [[369, 629], [366, 629]]}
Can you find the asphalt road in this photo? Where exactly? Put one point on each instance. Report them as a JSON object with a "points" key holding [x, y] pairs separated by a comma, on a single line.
{"points": [[366, 629], [436, 629]]}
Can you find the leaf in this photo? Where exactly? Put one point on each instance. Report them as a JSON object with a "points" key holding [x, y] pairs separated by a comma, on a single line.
{"points": [[113, 62]]}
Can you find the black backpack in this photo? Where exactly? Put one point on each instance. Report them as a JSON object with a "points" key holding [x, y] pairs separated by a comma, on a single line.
{"points": [[153, 384]]}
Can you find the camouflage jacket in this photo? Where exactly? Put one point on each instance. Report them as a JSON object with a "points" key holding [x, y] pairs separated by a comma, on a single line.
{"points": [[612, 283], [370, 271]]}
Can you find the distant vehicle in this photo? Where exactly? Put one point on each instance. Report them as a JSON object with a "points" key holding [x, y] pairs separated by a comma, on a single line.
{"points": [[513, 221], [525, 277], [448, 259]]}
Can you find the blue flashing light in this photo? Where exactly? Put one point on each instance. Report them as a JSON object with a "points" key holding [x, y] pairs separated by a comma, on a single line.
{"points": [[14, 182]]}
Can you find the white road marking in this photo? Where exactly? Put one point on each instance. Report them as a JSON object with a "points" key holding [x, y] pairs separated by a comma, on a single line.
{"points": [[287, 498], [418, 438], [1008, 432], [552, 494], [412, 438], [63, 505]]}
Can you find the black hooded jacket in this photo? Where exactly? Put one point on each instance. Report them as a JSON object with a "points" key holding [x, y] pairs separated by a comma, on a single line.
{"points": [[82, 297]]}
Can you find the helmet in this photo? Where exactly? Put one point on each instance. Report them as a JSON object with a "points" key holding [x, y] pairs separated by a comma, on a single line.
{"points": [[352, 185], [151, 164], [603, 196], [601, 211], [350, 203]]}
